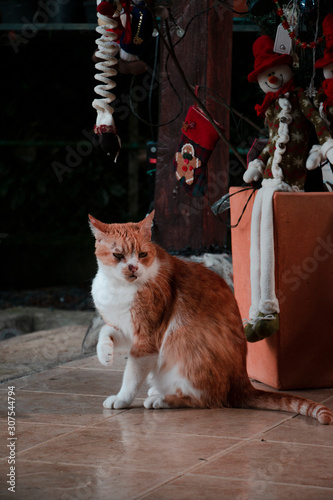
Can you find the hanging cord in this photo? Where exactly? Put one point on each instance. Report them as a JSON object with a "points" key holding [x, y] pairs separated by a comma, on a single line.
{"points": [[170, 48], [150, 94], [166, 67], [219, 99], [311, 90], [218, 4], [222, 205], [131, 103]]}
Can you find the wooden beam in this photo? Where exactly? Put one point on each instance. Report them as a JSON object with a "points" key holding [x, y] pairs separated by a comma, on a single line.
{"points": [[181, 221]]}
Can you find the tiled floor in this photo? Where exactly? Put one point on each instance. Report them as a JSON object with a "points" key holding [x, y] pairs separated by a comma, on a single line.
{"points": [[68, 447]]}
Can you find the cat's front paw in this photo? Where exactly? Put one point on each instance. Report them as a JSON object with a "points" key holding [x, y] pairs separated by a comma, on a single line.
{"points": [[105, 351], [156, 402], [116, 402], [152, 391]]}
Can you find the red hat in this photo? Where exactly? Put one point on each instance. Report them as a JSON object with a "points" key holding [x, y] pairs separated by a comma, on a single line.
{"points": [[265, 58], [328, 33]]}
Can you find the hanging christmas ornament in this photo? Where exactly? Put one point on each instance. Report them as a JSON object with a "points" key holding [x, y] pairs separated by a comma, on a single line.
{"points": [[180, 32], [138, 30], [105, 126], [292, 32], [197, 142]]}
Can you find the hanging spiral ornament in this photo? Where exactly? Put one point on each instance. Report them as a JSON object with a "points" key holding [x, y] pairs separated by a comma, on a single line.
{"points": [[107, 50]]}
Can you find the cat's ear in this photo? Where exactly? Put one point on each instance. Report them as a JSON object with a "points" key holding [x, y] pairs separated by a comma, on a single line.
{"points": [[146, 225], [97, 227]]}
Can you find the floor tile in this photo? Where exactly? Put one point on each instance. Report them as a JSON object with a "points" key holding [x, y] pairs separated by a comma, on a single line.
{"points": [[226, 422], [31, 434], [40, 481], [115, 443], [53, 408], [318, 395], [303, 430], [276, 462], [77, 381], [190, 487]]}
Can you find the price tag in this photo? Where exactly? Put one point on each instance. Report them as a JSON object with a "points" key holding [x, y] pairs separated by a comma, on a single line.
{"points": [[283, 43]]}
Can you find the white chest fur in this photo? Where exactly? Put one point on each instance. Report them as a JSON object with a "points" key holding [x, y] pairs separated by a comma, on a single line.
{"points": [[114, 301]]}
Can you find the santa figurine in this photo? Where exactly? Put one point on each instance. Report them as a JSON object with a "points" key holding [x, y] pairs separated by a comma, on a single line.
{"points": [[290, 117]]}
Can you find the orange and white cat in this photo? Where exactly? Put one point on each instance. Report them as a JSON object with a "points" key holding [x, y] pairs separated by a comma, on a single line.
{"points": [[181, 325]]}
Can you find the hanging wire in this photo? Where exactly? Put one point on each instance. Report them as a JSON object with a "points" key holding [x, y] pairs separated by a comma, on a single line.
{"points": [[222, 101], [311, 91], [222, 205], [150, 95], [150, 124], [218, 4]]}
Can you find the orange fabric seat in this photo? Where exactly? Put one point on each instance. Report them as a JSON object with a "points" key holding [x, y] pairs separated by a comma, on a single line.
{"points": [[300, 355]]}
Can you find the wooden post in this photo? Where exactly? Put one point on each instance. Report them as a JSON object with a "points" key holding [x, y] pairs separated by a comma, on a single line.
{"points": [[181, 221]]}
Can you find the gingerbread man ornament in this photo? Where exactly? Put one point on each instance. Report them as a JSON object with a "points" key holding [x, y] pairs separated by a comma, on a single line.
{"points": [[187, 163]]}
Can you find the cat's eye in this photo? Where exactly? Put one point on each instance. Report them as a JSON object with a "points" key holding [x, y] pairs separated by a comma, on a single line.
{"points": [[142, 255], [118, 256]]}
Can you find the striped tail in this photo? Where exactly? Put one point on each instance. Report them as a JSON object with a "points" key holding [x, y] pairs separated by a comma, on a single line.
{"points": [[285, 402]]}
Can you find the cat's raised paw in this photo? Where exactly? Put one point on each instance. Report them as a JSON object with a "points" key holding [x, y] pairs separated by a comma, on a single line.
{"points": [[115, 402], [155, 402], [105, 352]]}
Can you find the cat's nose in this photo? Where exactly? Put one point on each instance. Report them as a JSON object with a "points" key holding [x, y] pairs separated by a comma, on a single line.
{"points": [[132, 268]]}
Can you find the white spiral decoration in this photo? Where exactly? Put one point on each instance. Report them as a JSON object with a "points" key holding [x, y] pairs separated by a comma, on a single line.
{"points": [[107, 50], [282, 136]]}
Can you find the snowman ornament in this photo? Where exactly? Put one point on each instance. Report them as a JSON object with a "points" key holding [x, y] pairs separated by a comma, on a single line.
{"points": [[282, 166], [324, 98]]}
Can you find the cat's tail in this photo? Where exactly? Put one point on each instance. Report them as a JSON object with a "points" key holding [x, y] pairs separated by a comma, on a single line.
{"points": [[286, 402]]}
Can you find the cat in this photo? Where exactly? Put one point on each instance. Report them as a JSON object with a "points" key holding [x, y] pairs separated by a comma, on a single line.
{"points": [[181, 325]]}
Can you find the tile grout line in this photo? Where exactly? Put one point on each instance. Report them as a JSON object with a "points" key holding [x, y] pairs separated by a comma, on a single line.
{"points": [[213, 458], [241, 480], [61, 393], [293, 443], [92, 426], [173, 478], [19, 454]]}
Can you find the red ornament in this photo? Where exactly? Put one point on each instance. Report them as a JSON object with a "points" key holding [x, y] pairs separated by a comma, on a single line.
{"points": [[292, 35]]}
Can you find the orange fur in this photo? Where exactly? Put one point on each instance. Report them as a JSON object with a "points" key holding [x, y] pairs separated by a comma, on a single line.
{"points": [[207, 341]]}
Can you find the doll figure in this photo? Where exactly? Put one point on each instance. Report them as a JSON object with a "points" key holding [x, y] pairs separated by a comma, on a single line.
{"points": [[289, 115], [324, 99], [125, 30]]}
